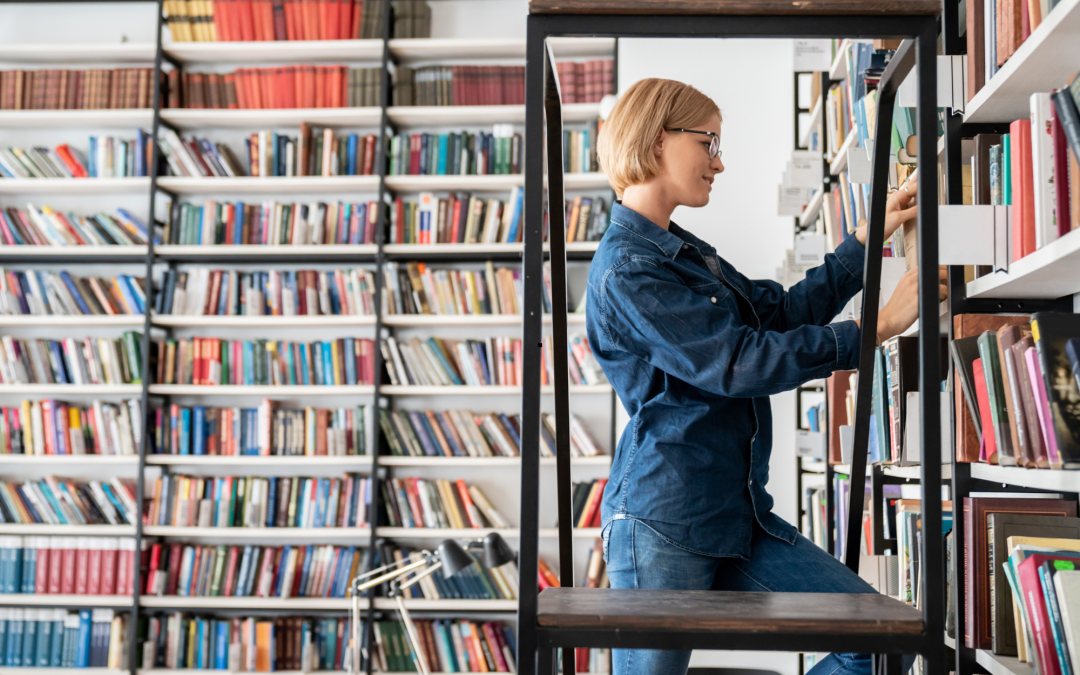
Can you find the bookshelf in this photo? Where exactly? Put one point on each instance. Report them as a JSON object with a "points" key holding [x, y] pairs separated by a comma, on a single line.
{"points": [[151, 194]]}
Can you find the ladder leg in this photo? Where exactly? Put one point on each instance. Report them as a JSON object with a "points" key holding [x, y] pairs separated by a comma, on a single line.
{"points": [[887, 664], [545, 661]]}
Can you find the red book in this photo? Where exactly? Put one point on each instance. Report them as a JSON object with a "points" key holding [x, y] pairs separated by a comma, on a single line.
{"points": [[369, 155], [93, 561], [266, 16], [1061, 174], [41, 578], [324, 19], [277, 10], [310, 19], [345, 12], [109, 562], [82, 569], [334, 83], [246, 20], [292, 20], [67, 566], [230, 570], [56, 563], [989, 443], [176, 557], [1039, 618], [151, 572], [415, 145], [1023, 186], [357, 15], [307, 88]]}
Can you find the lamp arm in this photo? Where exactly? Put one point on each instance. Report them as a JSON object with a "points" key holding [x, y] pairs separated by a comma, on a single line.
{"points": [[426, 573], [396, 563], [401, 571], [418, 652]]}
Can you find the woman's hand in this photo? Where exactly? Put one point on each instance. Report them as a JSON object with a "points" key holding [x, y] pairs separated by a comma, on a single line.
{"points": [[903, 307], [899, 208]]}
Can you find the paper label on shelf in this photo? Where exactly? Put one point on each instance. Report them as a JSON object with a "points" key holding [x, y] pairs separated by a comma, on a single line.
{"points": [[810, 249], [859, 164], [812, 55], [804, 170], [790, 200], [951, 85]]}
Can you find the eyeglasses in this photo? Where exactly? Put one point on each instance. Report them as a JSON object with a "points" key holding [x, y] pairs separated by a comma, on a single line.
{"points": [[714, 145]]}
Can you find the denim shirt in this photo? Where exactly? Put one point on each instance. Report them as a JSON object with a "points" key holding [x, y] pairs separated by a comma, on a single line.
{"points": [[694, 349]]}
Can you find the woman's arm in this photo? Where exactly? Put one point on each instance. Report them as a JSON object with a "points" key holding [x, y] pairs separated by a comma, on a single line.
{"points": [[647, 310]]}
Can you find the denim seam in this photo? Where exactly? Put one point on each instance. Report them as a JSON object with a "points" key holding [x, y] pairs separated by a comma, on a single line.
{"points": [[743, 572], [633, 552], [629, 464], [840, 259], [627, 228], [839, 349], [676, 544]]}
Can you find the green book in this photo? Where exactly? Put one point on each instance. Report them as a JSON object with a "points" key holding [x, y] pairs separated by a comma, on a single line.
{"points": [[297, 487], [131, 346], [995, 391], [359, 430], [219, 570], [1006, 169], [880, 407]]}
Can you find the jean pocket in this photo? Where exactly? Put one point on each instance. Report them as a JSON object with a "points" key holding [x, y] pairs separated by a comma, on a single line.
{"points": [[605, 536]]}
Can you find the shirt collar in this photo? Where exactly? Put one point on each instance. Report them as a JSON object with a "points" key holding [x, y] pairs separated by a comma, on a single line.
{"points": [[670, 241]]}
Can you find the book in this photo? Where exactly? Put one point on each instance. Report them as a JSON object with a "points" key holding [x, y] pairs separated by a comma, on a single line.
{"points": [[418, 502], [52, 427], [498, 152], [1059, 359], [63, 89], [61, 501], [194, 21], [443, 85], [272, 223], [107, 157], [287, 86]]}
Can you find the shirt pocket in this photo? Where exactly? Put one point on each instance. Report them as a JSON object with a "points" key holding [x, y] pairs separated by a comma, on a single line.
{"points": [[716, 294]]}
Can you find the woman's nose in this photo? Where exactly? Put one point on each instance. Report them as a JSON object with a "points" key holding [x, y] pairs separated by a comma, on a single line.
{"points": [[718, 165]]}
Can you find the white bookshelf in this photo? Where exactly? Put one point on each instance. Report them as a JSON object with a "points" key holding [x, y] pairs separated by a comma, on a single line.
{"points": [[79, 52], [63, 600], [244, 602], [271, 185], [74, 186], [1049, 272], [32, 253], [72, 389], [268, 322], [70, 530], [811, 211], [416, 116], [201, 118], [474, 462], [312, 534], [299, 461], [77, 119], [262, 390], [406, 250], [120, 320], [352, 51], [491, 390], [423, 320], [409, 50], [56, 461], [229, 251], [1045, 61], [489, 183], [1002, 665], [839, 161], [839, 68], [1043, 479], [471, 533], [812, 124], [422, 604]]}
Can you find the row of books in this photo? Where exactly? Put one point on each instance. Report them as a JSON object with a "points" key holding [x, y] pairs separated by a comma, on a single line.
{"points": [[212, 361], [459, 85], [475, 582], [450, 646], [198, 157], [586, 218], [71, 361], [1034, 169], [579, 149], [264, 431], [201, 291], [108, 157], [57, 638], [47, 227], [251, 571], [292, 86], [494, 361], [460, 218], [67, 565], [586, 497], [895, 397], [247, 21], [457, 154], [47, 293], [56, 89], [419, 502], [180, 500], [62, 501], [996, 30], [246, 644], [463, 433], [419, 289], [51, 427], [272, 223], [585, 82]]}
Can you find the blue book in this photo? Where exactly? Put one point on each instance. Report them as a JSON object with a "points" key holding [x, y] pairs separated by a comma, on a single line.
{"points": [[29, 639], [238, 223], [304, 363], [328, 364], [322, 486], [74, 291], [241, 576], [29, 568], [56, 647], [91, 165], [450, 437], [424, 154], [271, 500], [249, 362], [15, 638], [350, 168], [280, 578], [221, 650], [185, 431], [486, 369], [3, 637], [198, 424], [424, 434], [443, 153], [443, 362], [517, 198], [62, 376], [505, 419], [44, 639], [223, 297], [350, 360], [200, 641], [308, 554]]}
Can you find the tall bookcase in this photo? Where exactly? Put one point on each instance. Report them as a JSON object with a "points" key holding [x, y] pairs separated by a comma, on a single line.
{"points": [[157, 197]]}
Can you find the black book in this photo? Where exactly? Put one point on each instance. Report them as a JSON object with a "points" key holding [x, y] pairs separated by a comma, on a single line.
{"points": [[964, 353], [1059, 356]]}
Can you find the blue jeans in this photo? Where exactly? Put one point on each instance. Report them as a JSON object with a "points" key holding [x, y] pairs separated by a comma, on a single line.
{"points": [[638, 556]]}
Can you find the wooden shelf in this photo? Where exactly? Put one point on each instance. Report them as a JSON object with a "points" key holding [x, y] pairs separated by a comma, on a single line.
{"points": [[471, 462], [279, 51], [1043, 479], [317, 534], [407, 320], [287, 253], [191, 118], [79, 54], [72, 389], [70, 530], [181, 320], [445, 49], [489, 183], [258, 460], [247, 185], [1043, 62], [60, 600], [76, 119], [73, 186], [262, 390], [445, 115], [54, 460], [126, 320], [493, 390], [1002, 665], [1049, 272]]}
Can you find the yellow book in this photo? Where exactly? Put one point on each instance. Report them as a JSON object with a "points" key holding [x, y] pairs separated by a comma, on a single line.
{"points": [[28, 434], [78, 443], [493, 297], [447, 497], [191, 642], [335, 362], [114, 642]]}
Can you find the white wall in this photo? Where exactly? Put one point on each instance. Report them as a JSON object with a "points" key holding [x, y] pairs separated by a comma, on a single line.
{"points": [[751, 82]]}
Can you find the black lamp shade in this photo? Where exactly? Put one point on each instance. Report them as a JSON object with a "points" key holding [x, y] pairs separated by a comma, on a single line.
{"points": [[496, 551], [454, 558]]}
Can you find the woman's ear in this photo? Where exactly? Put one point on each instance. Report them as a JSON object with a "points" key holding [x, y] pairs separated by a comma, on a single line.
{"points": [[658, 144]]}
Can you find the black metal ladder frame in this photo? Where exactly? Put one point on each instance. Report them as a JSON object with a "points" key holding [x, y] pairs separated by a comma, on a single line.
{"points": [[536, 645]]}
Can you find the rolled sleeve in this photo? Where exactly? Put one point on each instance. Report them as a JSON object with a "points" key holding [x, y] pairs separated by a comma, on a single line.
{"points": [[851, 256], [847, 344]]}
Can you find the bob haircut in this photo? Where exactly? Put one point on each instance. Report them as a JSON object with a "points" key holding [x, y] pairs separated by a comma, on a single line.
{"points": [[624, 147]]}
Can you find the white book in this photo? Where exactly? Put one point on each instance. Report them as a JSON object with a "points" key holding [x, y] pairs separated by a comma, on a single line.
{"points": [[1042, 162], [1067, 588]]}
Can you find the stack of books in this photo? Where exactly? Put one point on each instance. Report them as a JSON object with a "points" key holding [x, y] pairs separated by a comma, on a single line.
{"points": [[57, 638], [71, 361], [62, 501], [273, 223], [417, 502], [61, 89], [450, 646], [459, 218], [48, 293], [292, 86], [457, 154], [180, 500], [107, 157], [46, 227], [263, 431], [459, 85], [196, 21], [68, 565], [50, 427]]}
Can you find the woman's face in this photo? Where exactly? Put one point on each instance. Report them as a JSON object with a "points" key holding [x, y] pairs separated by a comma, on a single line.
{"points": [[686, 171]]}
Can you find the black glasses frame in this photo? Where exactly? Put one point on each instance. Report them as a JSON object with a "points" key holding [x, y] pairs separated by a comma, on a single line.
{"points": [[714, 146]]}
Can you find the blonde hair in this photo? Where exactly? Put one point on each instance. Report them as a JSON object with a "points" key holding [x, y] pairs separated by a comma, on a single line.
{"points": [[624, 147]]}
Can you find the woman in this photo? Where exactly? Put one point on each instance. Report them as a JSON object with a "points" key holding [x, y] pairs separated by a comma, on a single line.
{"points": [[694, 349]]}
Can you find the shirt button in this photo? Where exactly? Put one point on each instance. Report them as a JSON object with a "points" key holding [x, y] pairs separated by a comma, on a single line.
{"points": [[686, 246], [713, 298], [751, 481]]}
